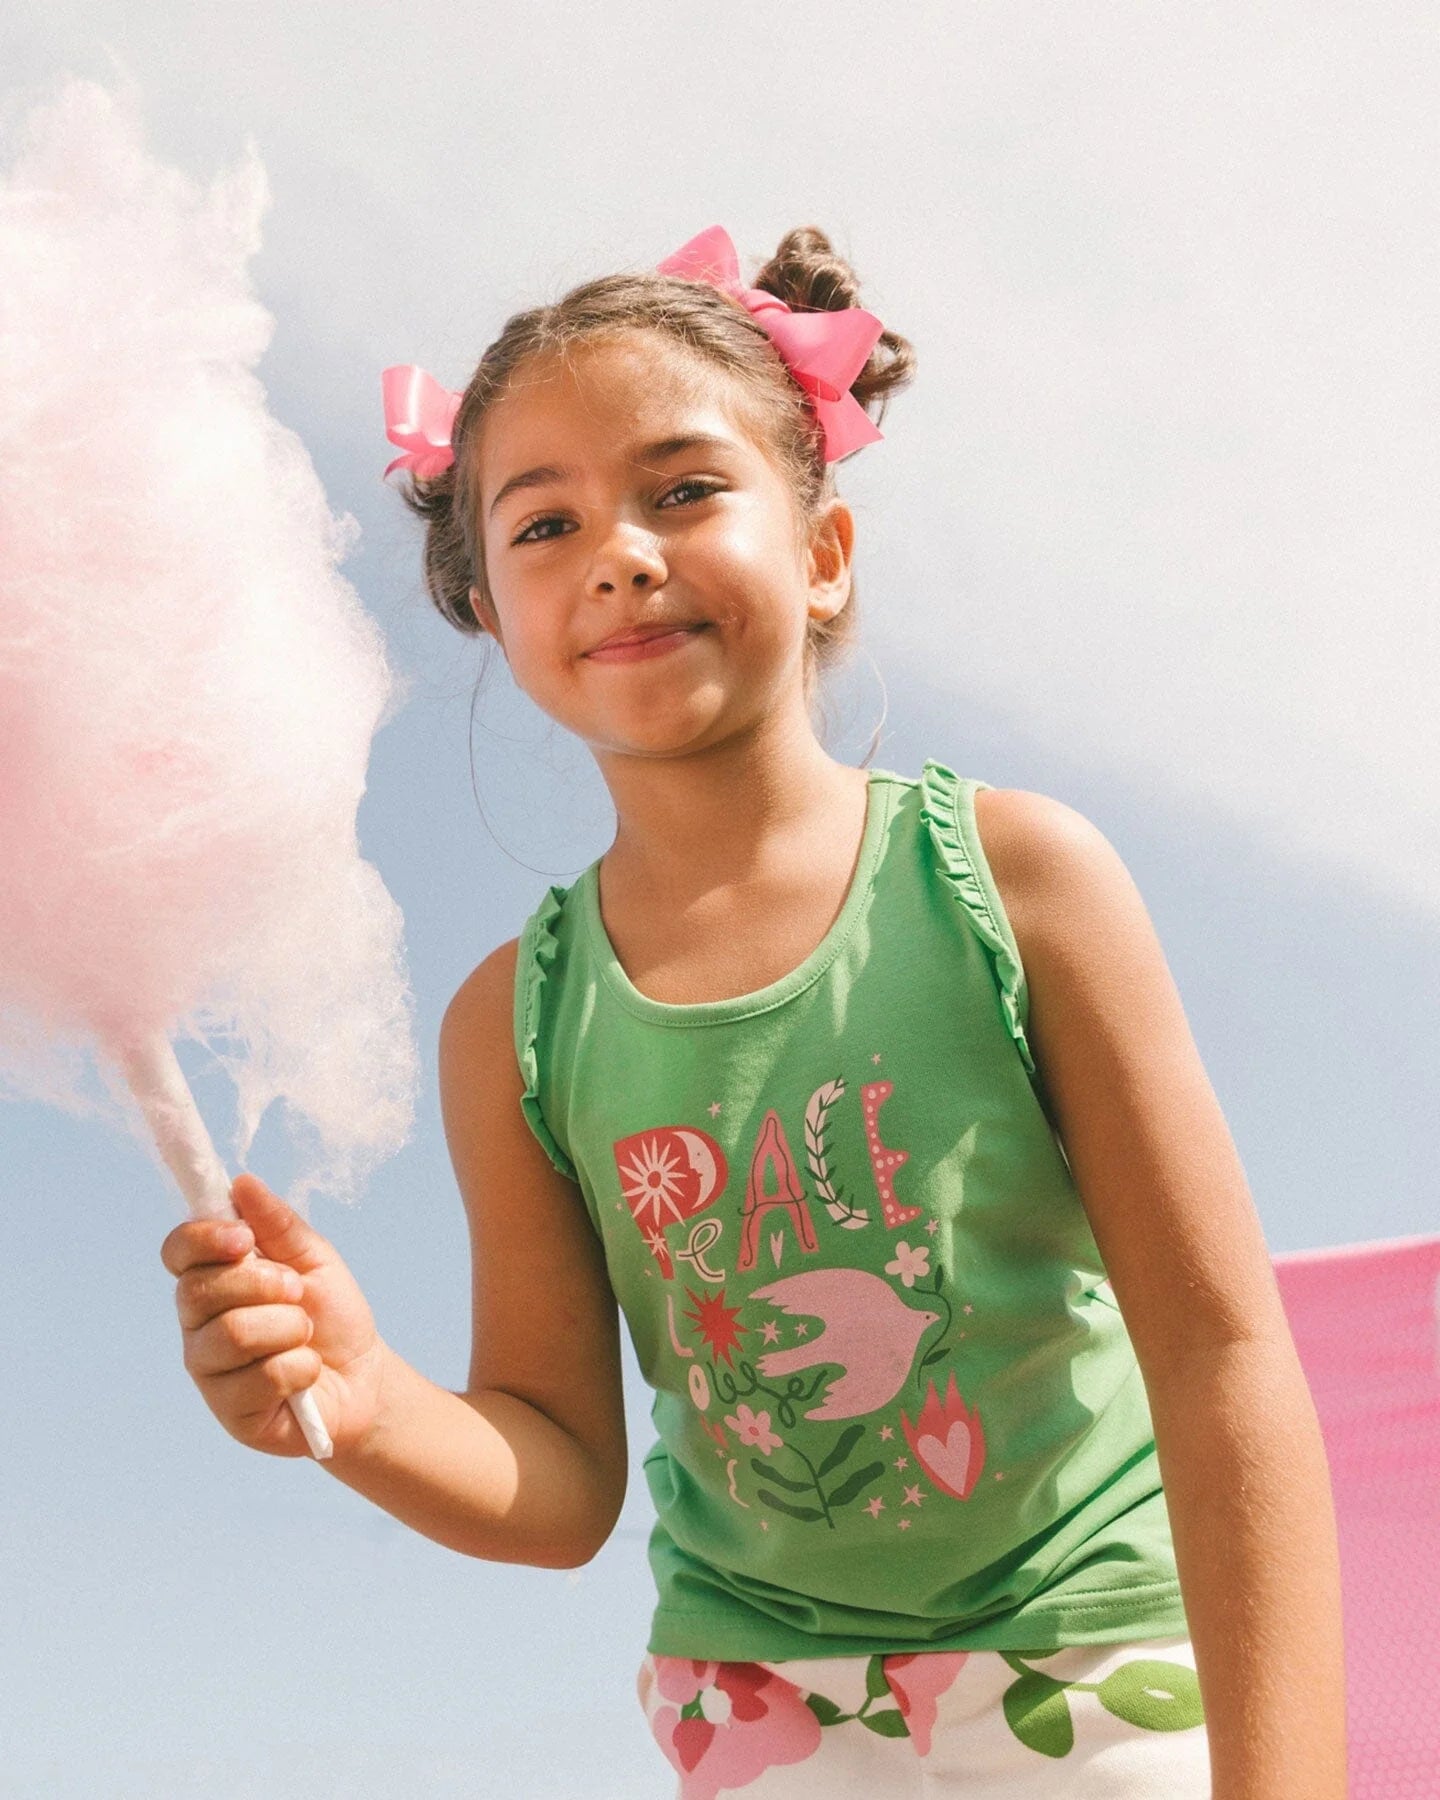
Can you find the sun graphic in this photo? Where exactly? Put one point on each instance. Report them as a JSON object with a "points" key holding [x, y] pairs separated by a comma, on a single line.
{"points": [[716, 1322], [651, 1180]]}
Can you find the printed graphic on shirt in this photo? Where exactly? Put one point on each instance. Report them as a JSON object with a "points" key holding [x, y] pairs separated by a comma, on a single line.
{"points": [[948, 1441], [772, 1150], [817, 1115], [668, 1174], [883, 1160], [864, 1326], [825, 1343]]}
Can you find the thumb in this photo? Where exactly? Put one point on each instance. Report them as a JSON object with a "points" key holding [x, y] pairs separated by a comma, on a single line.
{"points": [[281, 1234]]}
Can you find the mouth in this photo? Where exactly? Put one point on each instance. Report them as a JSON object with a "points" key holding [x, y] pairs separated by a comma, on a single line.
{"points": [[649, 639]]}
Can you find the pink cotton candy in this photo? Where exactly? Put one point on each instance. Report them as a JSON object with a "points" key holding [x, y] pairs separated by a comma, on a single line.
{"points": [[188, 687]]}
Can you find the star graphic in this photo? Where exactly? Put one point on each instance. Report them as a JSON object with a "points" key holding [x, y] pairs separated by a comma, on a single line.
{"points": [[714, 1109], [999, 1474], [933, 1227], [802, 1330], [771, 1331], [875, 1507], [886, 1433], [902, 1462], [913, 1496], [969, 1309], [720, 1451], [902, 1524], [876, 1057], [764, 1524]]}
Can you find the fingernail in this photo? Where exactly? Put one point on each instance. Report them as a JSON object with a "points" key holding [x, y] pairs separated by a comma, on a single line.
{"points": [[235, 1239]]}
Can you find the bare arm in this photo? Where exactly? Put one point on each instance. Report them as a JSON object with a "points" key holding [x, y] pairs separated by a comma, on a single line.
{"points": [[529, 1464], [1239, 1445]]}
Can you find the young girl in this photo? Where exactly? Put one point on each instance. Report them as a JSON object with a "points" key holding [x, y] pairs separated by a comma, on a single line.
{"points": [[870, 1100]]}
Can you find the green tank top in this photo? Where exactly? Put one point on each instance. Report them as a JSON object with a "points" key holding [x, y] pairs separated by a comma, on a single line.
{"points": [[897, 1407]]}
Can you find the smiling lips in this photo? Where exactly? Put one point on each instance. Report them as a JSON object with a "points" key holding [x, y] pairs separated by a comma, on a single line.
{"points": [[635, 645]]}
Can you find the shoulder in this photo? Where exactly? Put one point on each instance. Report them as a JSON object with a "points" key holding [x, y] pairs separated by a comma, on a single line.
{"points": [[1055, 869], [481, 1008]]}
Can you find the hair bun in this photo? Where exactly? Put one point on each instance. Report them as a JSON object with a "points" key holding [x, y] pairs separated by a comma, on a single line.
{"points": [[809, 275]]}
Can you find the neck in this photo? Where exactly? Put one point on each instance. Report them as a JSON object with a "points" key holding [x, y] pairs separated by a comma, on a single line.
{"points": [[716, 817]]}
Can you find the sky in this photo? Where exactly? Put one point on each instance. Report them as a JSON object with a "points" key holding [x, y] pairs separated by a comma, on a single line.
{"points": [[1153, 533]]}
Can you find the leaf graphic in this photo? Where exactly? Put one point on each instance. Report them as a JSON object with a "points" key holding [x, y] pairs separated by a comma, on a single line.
{"points": [[808, 1513], [844, 1444], [826, 1711], [862, 1478], [876, 1686], [934, 1356], [786, 1481], [1037, 1711], [885, 1724], [1157, 1696]]}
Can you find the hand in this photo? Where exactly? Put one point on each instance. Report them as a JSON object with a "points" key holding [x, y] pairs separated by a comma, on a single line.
{"points": [[269, 1314]]}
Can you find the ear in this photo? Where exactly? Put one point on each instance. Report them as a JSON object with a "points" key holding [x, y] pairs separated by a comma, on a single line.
{"points": [[477, 607], [832, 543]]}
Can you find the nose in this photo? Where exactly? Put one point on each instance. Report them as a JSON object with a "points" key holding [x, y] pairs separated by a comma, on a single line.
{"points": [[627, 559]]}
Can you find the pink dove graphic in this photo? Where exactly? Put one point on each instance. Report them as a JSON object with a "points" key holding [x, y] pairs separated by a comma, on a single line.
{"points": [[867, 1327]]}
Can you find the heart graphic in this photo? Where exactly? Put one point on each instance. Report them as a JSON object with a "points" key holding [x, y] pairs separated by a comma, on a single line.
{"points": [[948, 1462], [949, 1441]]}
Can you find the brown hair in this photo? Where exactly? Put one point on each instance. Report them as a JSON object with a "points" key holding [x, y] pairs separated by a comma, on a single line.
{"points": [[805, 272]]}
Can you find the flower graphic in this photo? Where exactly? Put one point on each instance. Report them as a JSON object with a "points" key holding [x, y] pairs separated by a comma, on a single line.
{"points": [[909, 1263], [948, 1440], [653, 1179], [723, 1724], [917, 1682], [753, 1428]]}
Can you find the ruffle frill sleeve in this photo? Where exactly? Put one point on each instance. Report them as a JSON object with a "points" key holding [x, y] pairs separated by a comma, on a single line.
{"points": [[947, 804], [535, 955]]}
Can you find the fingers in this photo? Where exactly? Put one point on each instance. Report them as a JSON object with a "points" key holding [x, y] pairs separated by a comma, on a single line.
{"points": [[244, 1336], [279, 1230], [208, 1289], [253, 1393], [206, 1241]]}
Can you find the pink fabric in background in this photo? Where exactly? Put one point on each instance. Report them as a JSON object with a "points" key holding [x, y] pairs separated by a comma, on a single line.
{"points": [[1366, 1321]]}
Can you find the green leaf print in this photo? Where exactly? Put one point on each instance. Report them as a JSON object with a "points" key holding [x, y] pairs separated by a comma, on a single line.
{"points": [[808, 1513], [876, 1686], [1037, 1711], [885, 1724], [844, 1444], [861, 1479], [771, 1473], [826, 1711], [1157, 1696]]}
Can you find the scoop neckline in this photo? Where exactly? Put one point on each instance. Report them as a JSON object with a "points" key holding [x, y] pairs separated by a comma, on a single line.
{"points": [[878, 790]]}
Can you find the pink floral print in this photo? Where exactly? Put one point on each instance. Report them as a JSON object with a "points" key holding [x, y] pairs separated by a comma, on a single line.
{"points": [[726, 1722], [917, 1683], [753, 1428]]}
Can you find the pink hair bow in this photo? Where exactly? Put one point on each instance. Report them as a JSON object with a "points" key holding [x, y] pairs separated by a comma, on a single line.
{"points": [[419, 416], [824, 351]]}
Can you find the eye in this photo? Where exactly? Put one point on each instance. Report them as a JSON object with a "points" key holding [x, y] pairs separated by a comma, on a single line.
{"points": [[703, 488], [548, 519]]}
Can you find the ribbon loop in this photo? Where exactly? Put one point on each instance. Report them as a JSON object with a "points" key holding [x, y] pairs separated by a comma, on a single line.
{"points": [[824, 351], [419, 416]]}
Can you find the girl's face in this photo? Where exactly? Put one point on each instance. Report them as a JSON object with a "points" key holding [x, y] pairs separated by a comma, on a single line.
{"points": [[600, 521]]}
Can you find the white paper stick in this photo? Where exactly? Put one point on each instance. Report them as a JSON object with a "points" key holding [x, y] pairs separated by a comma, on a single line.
{"points": [[158, 1083]]}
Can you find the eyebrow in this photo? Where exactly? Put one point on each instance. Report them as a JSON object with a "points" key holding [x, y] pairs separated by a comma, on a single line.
{"points": [[656, 452]]}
